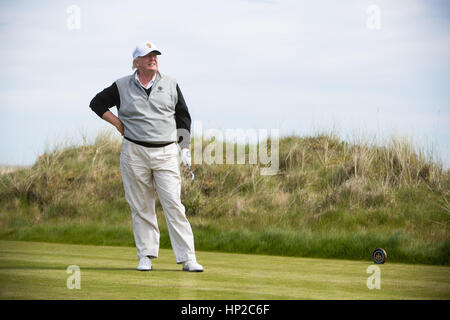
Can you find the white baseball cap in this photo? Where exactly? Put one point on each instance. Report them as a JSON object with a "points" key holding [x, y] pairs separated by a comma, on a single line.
{"points": [[144, 49]]}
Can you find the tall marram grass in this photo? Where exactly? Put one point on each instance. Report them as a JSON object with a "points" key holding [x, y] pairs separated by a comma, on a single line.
{"points": [[333, 197]]}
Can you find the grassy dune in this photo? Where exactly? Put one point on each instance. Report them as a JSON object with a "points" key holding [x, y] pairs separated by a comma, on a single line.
{"points": [[331, 199]]}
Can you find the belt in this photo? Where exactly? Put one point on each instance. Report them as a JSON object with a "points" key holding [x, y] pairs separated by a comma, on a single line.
{"points": [[149, 145]]}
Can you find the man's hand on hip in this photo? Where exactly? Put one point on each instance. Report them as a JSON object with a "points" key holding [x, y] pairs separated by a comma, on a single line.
{"points": [[120, 127], [115, 121]]}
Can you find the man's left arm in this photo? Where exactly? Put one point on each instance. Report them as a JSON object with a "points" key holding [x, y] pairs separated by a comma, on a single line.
{"points": [[183, 121]]}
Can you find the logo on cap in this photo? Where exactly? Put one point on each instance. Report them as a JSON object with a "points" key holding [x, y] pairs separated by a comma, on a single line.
{"points": [[148, 45]]}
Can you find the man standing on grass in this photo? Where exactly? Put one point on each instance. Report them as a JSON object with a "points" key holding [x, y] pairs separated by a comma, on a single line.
{"points": [[151, 109]]}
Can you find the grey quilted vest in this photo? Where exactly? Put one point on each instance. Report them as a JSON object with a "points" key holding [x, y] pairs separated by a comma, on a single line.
{"points": [[148, 118]]}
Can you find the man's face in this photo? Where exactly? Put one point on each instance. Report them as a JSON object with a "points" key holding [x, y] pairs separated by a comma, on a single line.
{"points": [[148, 62]]}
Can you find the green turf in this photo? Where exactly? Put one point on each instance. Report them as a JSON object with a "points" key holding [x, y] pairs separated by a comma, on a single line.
{"points": [[33, 270]]}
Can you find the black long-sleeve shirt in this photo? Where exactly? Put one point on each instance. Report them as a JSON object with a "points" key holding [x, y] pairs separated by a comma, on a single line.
{"points": [[109, 97]]}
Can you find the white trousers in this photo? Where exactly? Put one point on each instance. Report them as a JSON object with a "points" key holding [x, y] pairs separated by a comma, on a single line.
{"points": [[145, 172]]}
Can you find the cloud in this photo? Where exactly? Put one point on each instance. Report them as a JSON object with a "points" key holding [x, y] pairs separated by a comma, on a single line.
{"points": [[239, 63]]}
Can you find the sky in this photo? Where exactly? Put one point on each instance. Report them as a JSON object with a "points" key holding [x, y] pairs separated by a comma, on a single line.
{"points": [[359, 68]]}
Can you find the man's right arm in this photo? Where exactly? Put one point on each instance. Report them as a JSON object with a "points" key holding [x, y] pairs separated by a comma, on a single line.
{"points": [[111, 118], [104, 100]]}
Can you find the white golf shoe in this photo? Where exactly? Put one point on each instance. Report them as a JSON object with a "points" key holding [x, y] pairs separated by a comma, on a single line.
{"points": [[145, 264], [192, 266]]}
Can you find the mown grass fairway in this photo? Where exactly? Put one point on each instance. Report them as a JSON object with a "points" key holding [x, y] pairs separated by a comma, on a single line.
{"points": [[32, 270]]}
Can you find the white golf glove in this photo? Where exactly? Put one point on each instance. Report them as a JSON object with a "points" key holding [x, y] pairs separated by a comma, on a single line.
{"points": [[186, 156]]}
